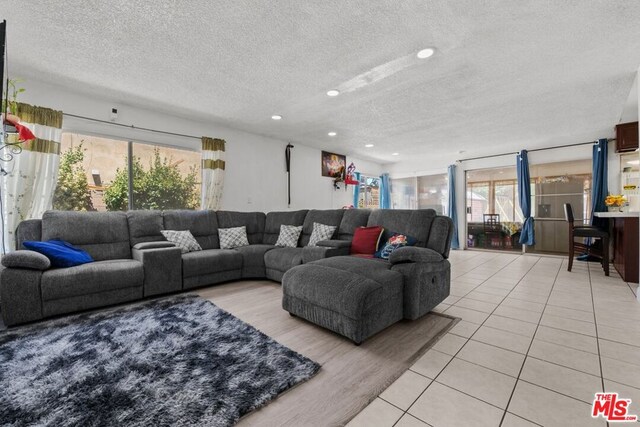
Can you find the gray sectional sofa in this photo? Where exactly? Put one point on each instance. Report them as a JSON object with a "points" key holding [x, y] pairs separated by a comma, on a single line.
{"points": [[133, 260]]}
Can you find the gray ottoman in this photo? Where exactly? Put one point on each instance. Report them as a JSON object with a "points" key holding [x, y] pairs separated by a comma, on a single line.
{"points": [[352, 296]]}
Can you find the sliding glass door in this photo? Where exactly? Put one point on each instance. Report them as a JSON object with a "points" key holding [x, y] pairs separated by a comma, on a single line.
{"points": [[433, 193], [404, 193], [494, 218], [553, 185]]}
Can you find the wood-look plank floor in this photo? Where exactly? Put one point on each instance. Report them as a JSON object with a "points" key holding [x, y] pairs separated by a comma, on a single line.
{"points": [[351, 376]]}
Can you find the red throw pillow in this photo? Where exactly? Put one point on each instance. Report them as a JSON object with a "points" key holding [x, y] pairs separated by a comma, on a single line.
{"points": [[365, 240]]}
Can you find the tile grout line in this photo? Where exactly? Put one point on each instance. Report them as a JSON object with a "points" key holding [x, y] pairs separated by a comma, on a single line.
{"points": [[595, 321], [559, 286], [434, 379], [469, 338], [524, 361]]}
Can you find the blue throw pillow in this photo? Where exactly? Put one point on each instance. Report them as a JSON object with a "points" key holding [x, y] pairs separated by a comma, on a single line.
{"points": [[60, 253], [391, 241]]}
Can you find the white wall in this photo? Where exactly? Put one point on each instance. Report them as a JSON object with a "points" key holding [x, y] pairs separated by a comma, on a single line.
{"points": [[255, 178], [630, 110]]}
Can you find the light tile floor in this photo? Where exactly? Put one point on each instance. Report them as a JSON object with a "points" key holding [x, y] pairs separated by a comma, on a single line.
{"points": [[534, 344]]}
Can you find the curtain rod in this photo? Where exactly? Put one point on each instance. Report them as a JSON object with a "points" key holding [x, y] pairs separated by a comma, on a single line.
{"points": [[132, 126], [535, 149]]}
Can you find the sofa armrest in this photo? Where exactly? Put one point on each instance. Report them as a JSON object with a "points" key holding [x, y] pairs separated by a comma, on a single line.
{"points": [[154, 245], [20, 296], [414, 254], [26, 259], [334, 243], [426, 284], [162, 269]]}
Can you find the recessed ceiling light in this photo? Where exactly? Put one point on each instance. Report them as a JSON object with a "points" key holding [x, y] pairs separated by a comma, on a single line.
{"points": [[333, 92], [368, 145], [425, 53], [276, 117], [395, 154], [332, 134]]}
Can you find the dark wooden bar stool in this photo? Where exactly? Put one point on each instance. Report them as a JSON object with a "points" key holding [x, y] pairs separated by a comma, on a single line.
{"points": [[492, 228], [586, 231]]}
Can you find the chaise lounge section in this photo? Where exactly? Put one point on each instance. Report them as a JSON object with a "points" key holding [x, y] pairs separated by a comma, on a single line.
{"points": [[358, 297]]}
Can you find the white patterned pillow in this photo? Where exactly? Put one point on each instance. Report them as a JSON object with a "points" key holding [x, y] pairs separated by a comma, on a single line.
{"points": [[182, 239], [289, 235], [233, 237], [321, 232]]}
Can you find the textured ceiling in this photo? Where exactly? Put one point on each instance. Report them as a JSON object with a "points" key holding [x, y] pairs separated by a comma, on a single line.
{"points": [[506, 74]]}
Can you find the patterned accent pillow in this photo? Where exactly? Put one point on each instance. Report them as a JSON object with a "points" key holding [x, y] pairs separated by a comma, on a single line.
{"points": [[233, 237], [321, 232], [289, 235], [182, 239], [394, 242]]}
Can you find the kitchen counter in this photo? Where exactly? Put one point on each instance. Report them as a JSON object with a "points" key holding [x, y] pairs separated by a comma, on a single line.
{"points": [[617, 214]]}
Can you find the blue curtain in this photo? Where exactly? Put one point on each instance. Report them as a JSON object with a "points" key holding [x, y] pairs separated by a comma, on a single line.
{"points": [[356, 190], [524, 192], [385, 192], [600, 185], [455, 244]]}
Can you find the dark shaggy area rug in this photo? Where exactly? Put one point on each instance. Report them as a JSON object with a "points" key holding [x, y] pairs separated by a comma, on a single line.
{"points": [[177, 361]]}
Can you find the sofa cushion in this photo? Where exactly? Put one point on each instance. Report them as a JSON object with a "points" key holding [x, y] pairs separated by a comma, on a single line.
{"points": [[233, 237], [415, 223], [282, 259], [182, 239], [275, 219], [289, 236], [341, 291], [253, 260], [440, 235], [210, 261], [29, 229], [104, 235], [321, 232], [253, 255], [91, 278], [392, 241], [202, 224], [253, 221], [374, 269], [366, 239], [330, 217], [145, 226], [351, 220], [60, 253]]}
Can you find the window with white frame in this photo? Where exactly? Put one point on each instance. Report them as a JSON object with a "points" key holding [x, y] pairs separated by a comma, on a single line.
{"points": [[105, 174]]}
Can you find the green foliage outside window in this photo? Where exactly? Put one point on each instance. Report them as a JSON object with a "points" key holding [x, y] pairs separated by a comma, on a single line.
{"points": [[72, 190], [161, 186]]}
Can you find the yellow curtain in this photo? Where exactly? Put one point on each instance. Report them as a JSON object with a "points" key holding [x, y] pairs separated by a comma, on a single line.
{"points": [[213, 166]]}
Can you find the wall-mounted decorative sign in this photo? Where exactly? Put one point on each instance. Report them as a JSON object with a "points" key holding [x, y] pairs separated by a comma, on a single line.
{"points": [[333, 165]]}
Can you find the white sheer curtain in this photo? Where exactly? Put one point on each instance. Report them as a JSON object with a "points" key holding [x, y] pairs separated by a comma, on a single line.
{"points": [[213, 164], [27, 189]]}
